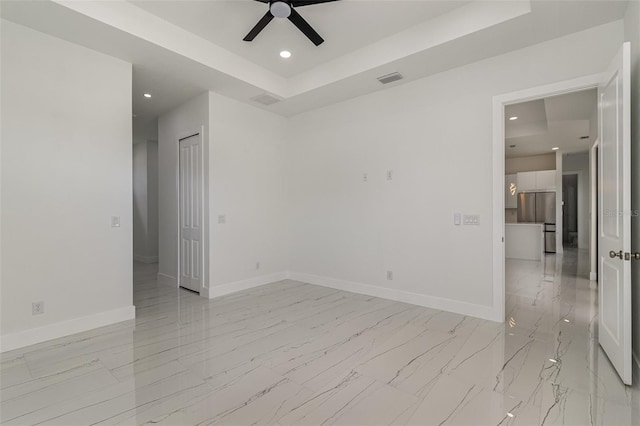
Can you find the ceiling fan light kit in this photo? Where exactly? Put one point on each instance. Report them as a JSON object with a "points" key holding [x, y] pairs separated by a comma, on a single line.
{"points": [[280, 9], [286, 10]]}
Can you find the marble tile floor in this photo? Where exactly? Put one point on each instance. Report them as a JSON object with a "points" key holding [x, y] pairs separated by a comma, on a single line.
{"points": [[291, 353]]}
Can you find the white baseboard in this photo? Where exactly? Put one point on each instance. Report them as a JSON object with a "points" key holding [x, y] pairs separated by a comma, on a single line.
{"points": [[464, 308], [593, 276], [167, 280], [32, 336], [233, 287], [145, 259]]}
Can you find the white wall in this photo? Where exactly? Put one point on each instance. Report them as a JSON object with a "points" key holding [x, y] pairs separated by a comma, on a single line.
{"points": [[559, 198], [66, 169], [435, 134], [632, 33], [145, 201], [579, 162], [531, 163], [140, 208], [152, 200], [145, 129], [190, 118], [248, 186]]}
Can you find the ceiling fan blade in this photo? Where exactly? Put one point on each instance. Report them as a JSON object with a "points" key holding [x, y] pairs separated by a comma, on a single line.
{"points": [[306, 29], [300, 3], [259, 26]]}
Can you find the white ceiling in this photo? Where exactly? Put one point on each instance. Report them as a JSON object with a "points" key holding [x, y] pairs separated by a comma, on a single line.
{"points": [[345, 25], [558, 121], [179, 48]]}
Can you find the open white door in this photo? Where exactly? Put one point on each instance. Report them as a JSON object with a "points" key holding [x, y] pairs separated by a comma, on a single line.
{"points": [[614, 104], [190, 213]]}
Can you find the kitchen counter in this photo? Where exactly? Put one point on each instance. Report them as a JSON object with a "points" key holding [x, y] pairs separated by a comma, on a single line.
{"points": [[524, 241]]}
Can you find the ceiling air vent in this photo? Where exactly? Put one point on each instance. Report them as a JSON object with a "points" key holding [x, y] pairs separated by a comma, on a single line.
{"points": [[266, 99], [390, 78]]}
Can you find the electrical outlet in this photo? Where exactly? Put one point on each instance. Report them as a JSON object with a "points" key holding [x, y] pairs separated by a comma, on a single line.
{"points": [[389, 174], [365, 177], [257, 265], [222, 219], [389, 275], [37, 308]]}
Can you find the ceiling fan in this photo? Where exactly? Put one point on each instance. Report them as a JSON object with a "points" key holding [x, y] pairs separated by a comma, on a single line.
{"points": [[286, 9]]}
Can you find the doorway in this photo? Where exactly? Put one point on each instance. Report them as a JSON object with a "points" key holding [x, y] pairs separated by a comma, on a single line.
{"points": [[500, 152], [614, 200]]}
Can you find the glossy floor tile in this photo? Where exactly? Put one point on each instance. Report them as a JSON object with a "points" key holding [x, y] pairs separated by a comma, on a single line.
{"points": [[291, 353]]}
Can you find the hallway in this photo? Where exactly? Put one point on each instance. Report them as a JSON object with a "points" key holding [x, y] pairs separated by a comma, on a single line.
{"points": [[293, 353]]}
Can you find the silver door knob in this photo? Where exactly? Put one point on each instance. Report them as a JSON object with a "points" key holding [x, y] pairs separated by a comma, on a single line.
{"points": [[613, 254], [635, 256]]}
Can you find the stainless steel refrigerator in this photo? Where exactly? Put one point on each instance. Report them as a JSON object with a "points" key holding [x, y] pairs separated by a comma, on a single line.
{"points": [[540, 207]]}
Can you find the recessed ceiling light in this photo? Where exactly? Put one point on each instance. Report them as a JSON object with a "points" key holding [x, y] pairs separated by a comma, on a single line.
{"points": [[512, 146], [513, 118], [555, 148], [285, 54], [147, 95], [510, 415], [553, 360]]}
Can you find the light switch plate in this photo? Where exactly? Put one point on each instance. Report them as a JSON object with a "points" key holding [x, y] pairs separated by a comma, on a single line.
{"points": [[457, 219], [222, 219], [115, 221], [471, 219]]}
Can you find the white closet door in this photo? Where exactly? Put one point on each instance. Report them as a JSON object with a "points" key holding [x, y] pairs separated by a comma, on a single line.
{"points": [[190, 177]]}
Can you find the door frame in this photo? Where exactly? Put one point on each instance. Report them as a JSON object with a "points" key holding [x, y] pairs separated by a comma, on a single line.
{"points": [[204, 285], [498, 162], [595, 208]]}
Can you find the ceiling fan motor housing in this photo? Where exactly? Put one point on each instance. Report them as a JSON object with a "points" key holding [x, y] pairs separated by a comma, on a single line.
{"points": [[280, 9]]}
